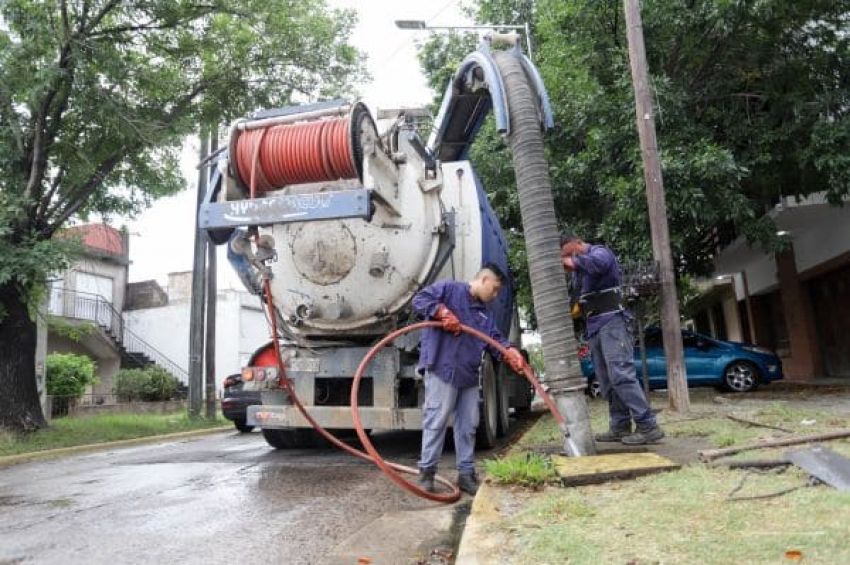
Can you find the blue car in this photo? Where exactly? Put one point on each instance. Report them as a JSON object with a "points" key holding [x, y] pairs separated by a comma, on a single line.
{"points": [[736, 367]]}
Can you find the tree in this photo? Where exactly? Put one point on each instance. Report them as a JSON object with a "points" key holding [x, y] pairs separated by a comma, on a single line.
{"points": [[96, 97], [752, 103]]}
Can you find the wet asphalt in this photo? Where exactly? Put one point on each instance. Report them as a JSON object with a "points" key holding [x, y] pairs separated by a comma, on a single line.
{"points": [[222, 498]]}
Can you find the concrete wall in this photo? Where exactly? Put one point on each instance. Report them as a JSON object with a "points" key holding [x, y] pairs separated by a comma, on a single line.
{"points": [[166, 407], [40, 355], [179, 285], [819, 232], [144, 294], [166, 328], [241, 328]]}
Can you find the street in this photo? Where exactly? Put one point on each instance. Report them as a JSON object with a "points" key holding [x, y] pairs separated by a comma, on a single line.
{"points": [[222, 498]]}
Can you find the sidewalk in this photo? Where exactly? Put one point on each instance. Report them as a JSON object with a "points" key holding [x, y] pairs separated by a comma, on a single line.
{"points": [[680, 516]]}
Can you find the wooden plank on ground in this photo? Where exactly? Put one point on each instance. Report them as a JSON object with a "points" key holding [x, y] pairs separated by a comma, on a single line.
{"points": [[823, 463], [595, 469]]}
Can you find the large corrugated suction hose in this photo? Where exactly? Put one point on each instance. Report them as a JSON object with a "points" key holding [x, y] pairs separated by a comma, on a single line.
{"points": [[540, 232]]}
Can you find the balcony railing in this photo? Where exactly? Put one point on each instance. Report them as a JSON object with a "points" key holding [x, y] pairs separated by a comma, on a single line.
{"points": [[95, 308]]}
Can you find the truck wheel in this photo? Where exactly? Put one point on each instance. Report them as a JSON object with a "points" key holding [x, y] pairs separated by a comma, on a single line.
{"points": [[488, 406], [504, 384], [292, 438]]}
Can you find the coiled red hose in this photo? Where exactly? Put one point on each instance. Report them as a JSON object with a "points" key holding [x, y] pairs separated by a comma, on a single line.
{"points": [[295, 154]]}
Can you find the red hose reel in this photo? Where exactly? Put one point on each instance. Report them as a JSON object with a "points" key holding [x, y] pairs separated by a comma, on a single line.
{"points": [[322, 150]]}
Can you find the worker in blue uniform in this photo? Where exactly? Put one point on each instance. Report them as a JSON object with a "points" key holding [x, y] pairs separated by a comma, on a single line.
{"points": [[450, 362], [597, 278]]}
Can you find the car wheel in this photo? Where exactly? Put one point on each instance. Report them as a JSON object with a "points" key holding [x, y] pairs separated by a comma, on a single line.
{"points": [[741, 376], [243, 426]]}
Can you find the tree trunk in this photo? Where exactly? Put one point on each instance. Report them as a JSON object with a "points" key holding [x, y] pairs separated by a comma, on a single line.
{"points": [[20, 408], [540, 230]]}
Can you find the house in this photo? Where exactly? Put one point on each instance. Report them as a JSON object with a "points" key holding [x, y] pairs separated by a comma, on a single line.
{"points": [[85, 312], [161, 317], [794, 302]]}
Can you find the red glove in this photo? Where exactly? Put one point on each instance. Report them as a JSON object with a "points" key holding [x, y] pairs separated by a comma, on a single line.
{"points": [[448, 318], [513, 357]]}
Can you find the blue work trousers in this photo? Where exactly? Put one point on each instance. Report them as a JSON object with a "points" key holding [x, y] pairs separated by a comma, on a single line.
{"points": [[614, 363], [442, 401]]}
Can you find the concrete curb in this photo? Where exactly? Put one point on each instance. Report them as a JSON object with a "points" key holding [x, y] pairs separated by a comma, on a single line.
{"points": [[478, 545], [11, 460]]}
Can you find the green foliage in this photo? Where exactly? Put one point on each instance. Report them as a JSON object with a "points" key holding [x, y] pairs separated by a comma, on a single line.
{"points": [[74, 332], [526, 469], [150, 384], [68, 374], [535, 358], [752, 103]]}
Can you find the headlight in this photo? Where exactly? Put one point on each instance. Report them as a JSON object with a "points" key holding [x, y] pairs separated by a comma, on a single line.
{"points": [[757, 349]]}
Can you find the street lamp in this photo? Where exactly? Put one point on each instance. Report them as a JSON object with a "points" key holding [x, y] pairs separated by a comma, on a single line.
{"points": [[420, 25]]}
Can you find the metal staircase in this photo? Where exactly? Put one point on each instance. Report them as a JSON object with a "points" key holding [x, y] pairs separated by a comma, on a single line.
{"points": [[133, 350]]}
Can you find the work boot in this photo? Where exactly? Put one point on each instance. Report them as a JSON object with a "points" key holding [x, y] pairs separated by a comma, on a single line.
{"points": [[644, 436], [468, 483], [614, 435], [426, 479]]}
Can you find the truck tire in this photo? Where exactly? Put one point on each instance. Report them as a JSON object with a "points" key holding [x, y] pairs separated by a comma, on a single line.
{"points": [[291, 438], [488, 406], [504, 384]]}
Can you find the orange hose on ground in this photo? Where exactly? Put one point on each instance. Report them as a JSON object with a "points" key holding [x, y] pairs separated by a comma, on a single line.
{"points": [[390, 468], [299, 153]]}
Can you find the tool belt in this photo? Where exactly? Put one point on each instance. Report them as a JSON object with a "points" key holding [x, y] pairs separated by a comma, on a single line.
{"points": [[601, 302]]}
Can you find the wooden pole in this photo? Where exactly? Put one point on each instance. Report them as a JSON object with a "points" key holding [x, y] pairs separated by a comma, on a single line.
{"points": [[212, 298], [677, 386], [196, 314]]}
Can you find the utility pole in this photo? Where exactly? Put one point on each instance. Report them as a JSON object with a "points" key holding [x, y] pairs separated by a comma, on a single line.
{"points": [[212, 297], [670, 327], [196, 316]]}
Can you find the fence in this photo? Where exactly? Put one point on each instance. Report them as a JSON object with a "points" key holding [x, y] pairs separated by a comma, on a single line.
{"points": [[89, 404]]}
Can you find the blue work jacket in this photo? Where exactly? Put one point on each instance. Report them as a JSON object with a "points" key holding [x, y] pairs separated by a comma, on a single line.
{"points": [[454, 359], [597, 270]]}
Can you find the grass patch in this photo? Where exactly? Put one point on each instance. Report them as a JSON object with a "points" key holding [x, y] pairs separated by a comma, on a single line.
{"points": [[682, 517], [68, 432], [526, 469]]}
